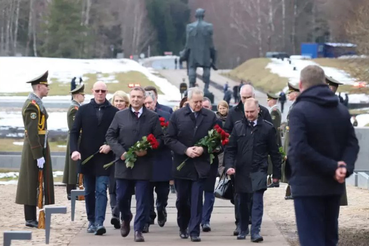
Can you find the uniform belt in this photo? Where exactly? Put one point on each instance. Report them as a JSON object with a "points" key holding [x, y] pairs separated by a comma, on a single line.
{"points": [[40, 132]]}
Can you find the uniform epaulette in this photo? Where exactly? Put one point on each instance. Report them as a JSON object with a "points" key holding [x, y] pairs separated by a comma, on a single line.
{"points": [[75, 107], [270, 123], [275, 109], [34, 102]]}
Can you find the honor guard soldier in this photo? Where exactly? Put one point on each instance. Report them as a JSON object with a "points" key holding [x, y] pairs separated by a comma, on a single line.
{"points": [[276, 115], [292, 94], [333, 85], [35, 153], [71, 167]]}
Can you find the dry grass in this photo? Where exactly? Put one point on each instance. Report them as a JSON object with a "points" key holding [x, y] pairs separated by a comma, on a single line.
{"points": [[58, 88], [6, 145], [255, 71]]}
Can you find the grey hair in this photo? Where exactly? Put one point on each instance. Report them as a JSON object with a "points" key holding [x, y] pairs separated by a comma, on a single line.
{"points": [[248, 86], [194, 91], [206, 99], [150, 94]]}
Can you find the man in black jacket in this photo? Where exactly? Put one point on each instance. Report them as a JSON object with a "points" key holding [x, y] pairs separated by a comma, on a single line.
{"points": [[128, 127], [161, 172], [158, 106], [235, 114], [323, 151], [94, 119], [187, 126], [246, 157]]}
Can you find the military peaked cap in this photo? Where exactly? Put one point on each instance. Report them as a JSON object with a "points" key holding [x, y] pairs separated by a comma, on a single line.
{"points": [[331, 81], [42, 79]]}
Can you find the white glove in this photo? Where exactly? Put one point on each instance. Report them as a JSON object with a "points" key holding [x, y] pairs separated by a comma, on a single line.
{"points": [[40, 162]]}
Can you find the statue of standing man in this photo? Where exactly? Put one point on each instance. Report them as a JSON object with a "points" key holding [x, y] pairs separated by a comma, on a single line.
{"points": [[199, 50]]}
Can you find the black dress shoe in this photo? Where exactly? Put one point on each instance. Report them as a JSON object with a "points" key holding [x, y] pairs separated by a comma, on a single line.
{"points": [[115, 221], [241, 235], [69, 197], [139, 237], [125, 228], [32, 223], [206, 228], [195, 239], [162, 218], [183, 234], [256, 238], [146, 228], [236, 231]]}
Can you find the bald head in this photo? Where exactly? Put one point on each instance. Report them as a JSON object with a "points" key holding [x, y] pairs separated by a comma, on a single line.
{"points": [[251, 107], [247, 91], [99, 90]]}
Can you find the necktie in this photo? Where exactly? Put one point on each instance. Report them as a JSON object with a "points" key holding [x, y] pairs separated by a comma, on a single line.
{"points": [[196, 114], [252, 124], [136, 113]]}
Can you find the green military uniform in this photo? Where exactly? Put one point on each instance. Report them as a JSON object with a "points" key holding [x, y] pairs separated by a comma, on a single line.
{"points": [[35, 124], [276, 116], [333, 84], [70, 176]]}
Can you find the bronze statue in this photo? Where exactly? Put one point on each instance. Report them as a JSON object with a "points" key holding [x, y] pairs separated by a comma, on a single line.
{"points": [[199, 50]]}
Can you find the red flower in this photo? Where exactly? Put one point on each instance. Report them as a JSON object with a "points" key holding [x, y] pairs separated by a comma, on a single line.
{"points": [[162, 123], [219, 130], [153, 142], [167, 124], [162, 119], [225, 141], [223, 134], [227, 134], [216, 127]]}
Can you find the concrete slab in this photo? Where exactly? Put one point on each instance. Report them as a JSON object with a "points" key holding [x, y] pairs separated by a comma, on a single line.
{"points": [[222, 224]]}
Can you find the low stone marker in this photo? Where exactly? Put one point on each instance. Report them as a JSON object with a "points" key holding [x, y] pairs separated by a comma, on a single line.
{"points": [[16, 235], [48, 211], [73, 197]]}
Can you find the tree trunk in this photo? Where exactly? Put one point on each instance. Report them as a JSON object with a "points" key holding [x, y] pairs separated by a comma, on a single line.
{"points": [[260, 39], [16, 27], [30, 21], [284, 24], [293, 34]]}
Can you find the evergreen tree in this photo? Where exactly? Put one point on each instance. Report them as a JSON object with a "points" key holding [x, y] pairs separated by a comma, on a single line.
{"points": [[64, 36], [169, 18]]}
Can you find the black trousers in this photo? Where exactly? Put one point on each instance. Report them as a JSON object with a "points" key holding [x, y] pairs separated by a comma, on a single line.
{"points": [[189, 216], [317, 220], [30, 212], [162, 192]]}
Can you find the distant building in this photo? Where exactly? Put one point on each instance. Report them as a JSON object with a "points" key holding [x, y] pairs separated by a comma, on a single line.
{"points": [[330, 50]]}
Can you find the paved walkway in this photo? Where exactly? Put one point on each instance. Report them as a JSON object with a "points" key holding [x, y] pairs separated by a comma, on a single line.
{"points": [[222, 223], [176, 77]]}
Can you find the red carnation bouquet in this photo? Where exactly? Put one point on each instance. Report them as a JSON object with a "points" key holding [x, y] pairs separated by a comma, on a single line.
{"points": [[163, 124], [149, 142], [215, 138]]}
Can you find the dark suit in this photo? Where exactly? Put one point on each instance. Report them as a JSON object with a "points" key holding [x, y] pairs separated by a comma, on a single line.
{"points": [[125, 130], [93, 120], [184, 131], [164, 108], [161, 175]]}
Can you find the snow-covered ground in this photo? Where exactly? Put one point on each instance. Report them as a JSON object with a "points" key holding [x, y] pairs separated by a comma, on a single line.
{"points": [[14, 176], [15, 71], [284, 69]]}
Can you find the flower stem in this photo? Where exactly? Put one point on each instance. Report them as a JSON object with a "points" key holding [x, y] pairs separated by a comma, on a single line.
{"points": [[182, 165]]}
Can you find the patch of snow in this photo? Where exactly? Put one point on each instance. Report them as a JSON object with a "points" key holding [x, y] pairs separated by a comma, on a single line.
{"points": [[65, 69], [18, 143], [341, 44], [362, 120], [10, 182], [9, 175]]}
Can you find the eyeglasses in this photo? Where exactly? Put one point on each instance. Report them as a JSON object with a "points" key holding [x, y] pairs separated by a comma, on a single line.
{"points": [[98, 91]]}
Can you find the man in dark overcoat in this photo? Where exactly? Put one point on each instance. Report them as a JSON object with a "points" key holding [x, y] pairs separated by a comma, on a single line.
{"points": [[246, 157], [71, 167], [321, 156], [128, 127], [187, 126], [35, 152], [94, 119], [161, 171], [235, 114]]}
